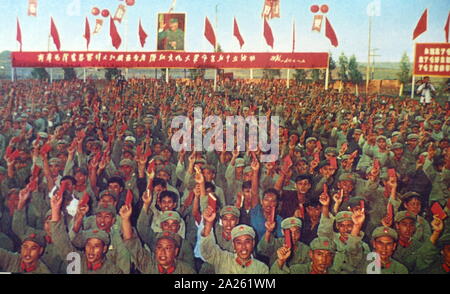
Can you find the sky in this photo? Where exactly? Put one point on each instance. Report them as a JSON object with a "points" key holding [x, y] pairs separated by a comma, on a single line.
{"points": [[391, 30]]}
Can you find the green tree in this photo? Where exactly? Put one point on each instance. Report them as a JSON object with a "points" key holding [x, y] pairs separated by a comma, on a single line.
{"points": [[270, 73], [331, 66], [40, 74], [354, 74], [343, 68], [197, 73], [404, 75], [300, 75], [316, 75], [112, 73], [69, 74]]}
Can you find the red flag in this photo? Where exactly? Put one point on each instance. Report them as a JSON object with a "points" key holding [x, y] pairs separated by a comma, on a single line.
{"points": [[237, 33], [32, 7], [209, 33], [54, 34], [19, 35], [115, 37], [329, 32], [421, 26], [447, 28], [87, 33], [268, 33], [142, 34]]}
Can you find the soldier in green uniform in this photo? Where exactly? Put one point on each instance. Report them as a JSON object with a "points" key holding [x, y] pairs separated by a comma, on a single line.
{"points": [[95, 244], [28, 261], [240, 262], [174, 37], [167, 247], [322, 255], [269, 245]]}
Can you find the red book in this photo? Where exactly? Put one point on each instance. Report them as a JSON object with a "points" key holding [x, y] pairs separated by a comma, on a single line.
{"points": [[35, 172], [139, 150], [62, 189], [436, 209], [32, 186], [14, 155], [287, 162], [287, 238], [390, 211], [325, 189], [392, 173], [319, 145], [151, 166], [333, 162], [46, 148], [129, 198], [421, 159], [8, 152], [272, 214], [124, 127], [84, 200], [316, 156], [361, 204], [98, 156], [376, 164], [212, 202]]}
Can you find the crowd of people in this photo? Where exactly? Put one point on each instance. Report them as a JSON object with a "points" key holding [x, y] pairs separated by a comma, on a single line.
{"points": [[90, 169]]}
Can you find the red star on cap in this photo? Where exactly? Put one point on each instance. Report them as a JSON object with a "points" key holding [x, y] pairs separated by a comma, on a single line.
{"points": [[166, 234], [292, 221], [386, 230], [325, 243], [32, 236], [170, 214], [95, 231], [229, 208], [241, 228], [407, 213]]}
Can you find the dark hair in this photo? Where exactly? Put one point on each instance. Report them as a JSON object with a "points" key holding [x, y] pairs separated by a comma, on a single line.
{"points": [[159, 181], [312, 202], [246, 185], [117, 180], [438, 160], [304, 177], [169, 194], [72, 179], [271, 191], [209, 185]]}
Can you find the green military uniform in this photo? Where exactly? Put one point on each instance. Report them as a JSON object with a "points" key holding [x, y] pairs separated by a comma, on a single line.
{"points": [[299, 255], [394, 267], [145, 261], [50, 257], [320, 243], [432, 262], [233, 185], [12, 262], [225, 262], [348, 253], [147, 234], [62, 242]]}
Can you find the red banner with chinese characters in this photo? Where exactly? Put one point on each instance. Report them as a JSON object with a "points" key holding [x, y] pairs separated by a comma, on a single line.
{"points": [[169, 59], [432, 59]]}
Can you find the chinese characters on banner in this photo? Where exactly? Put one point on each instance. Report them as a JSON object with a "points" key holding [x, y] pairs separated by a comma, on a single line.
{"points": [[169, 59], [271, 9], [432, 59]]}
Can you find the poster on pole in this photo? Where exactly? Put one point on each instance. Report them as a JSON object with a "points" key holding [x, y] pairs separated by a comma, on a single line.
{"points": [[171, 31], [432, 59]]}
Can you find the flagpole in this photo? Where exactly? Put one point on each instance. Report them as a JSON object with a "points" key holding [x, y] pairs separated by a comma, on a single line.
{"points": [[288, 79], [51, 68], [327, 73], [368, 56], [215, 50], [126, 41], [413, 84]]}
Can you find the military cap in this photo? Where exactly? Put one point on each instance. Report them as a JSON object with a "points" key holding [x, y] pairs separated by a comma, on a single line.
{"points": [[323, 163], [96, 234], [164, 169], [331, 150], [46, 109], [397, 146], [396, 133], [355, 201], [412, 137], [415, 126], [128, 162], [2, 170], [343, 216], [170, 215], [436, 122], [322, 243], [108, 193], [381, 138], [347, 177], [419, 118], [158, 157], [240, 162], [147, 120], [407, 195], [384, 231], [230, 209], [106, 208], [59, 142], [443, 240], [36, 238], [303, 159], [290, 222], [403, 215], [357, 131], [173, 20], [139, 124], [311, 139], [242, 230], [55, 161], [130, 139], [201, 161], [298, 148], [43, 135], [247, 169], [170, 236], [379, 126], [210, 167]]}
